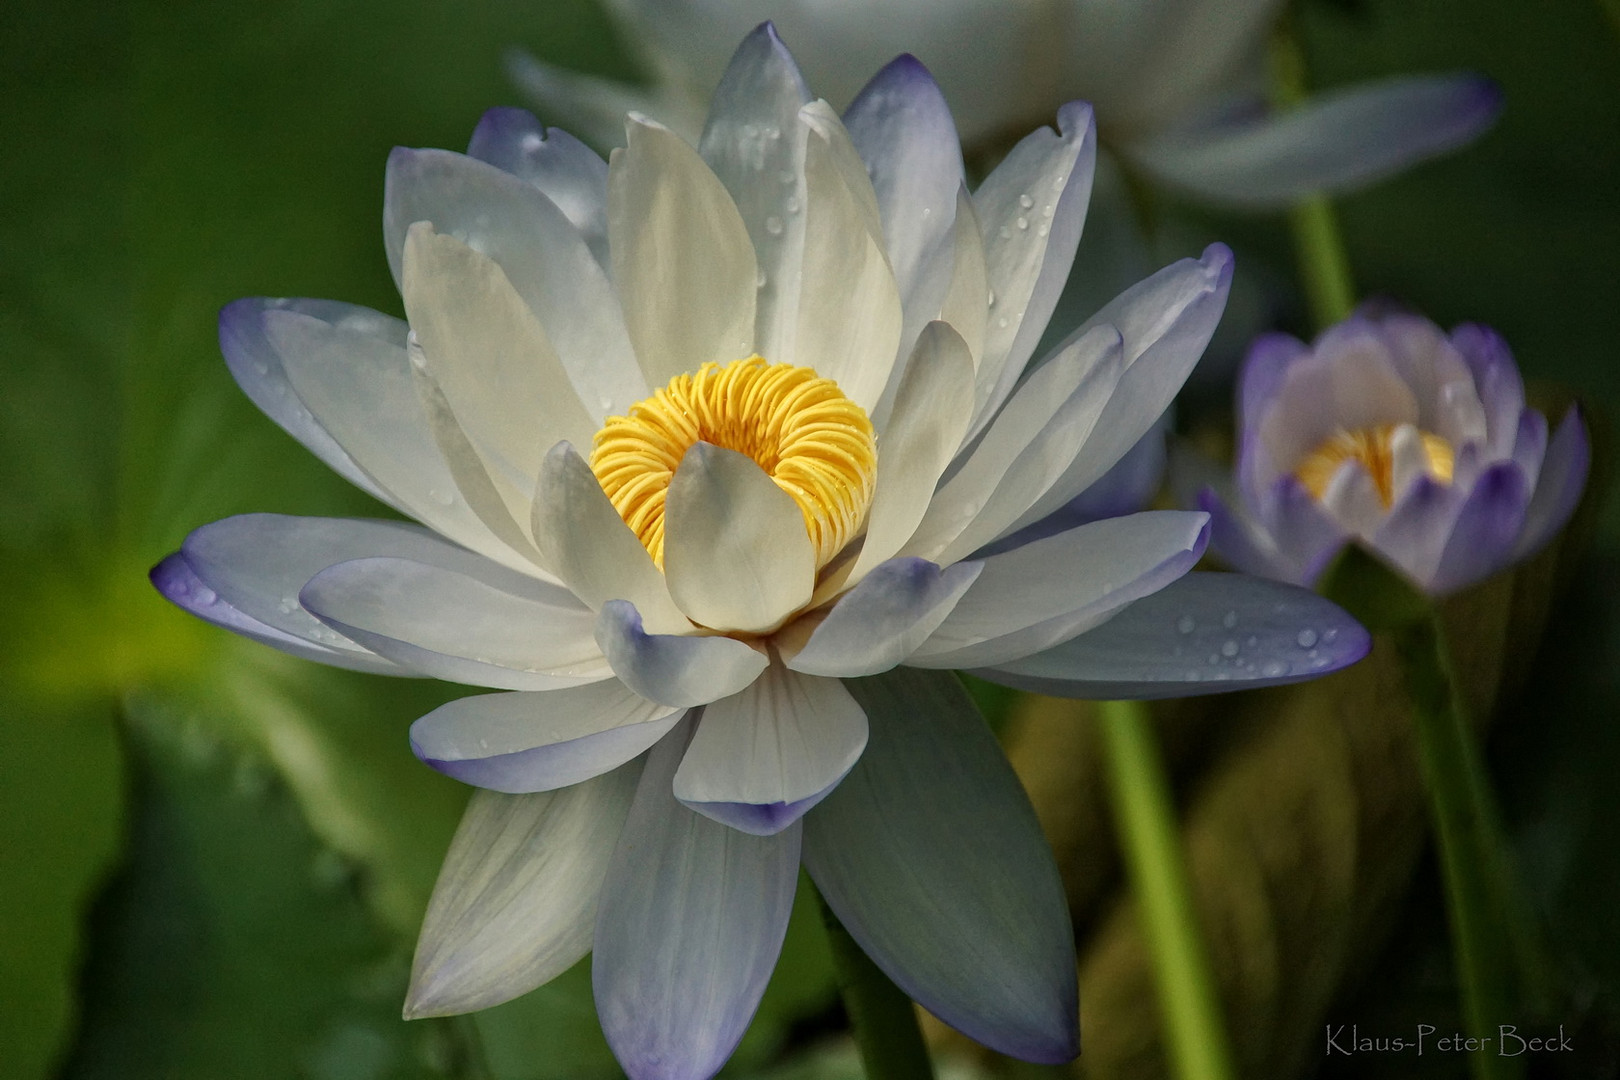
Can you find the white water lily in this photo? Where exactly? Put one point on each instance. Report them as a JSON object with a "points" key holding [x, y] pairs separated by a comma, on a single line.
{"points": [[703, 444], [1179, 87]]}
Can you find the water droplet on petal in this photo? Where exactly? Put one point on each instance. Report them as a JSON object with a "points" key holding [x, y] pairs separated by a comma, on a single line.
{"points": [[1023, 222], [1229, 620], [1186, 624], [288, 605], [1328, 636], [760, 279], [1274, 669], [793, 204], [261, 367], [773, 225], [1306, 638], [992, 299], [1025, 201], [1043, 230], [1004, 232], [203, 595], [1229, 647], [1002, 322], [442, 497]]}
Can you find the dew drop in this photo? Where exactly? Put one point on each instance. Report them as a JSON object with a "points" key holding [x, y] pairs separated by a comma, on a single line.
{"points": [[1002, 322], [1328, 635], [772, 132], [1043, 230], [786, 176], [1229, 647], [203, 595], [1047, 209], [1004, 232], [1025, 201], [760, 279], [1274, 669], [288, 605], [928, 211], [1229, 620], [443, 498], [1214, 659], [750, 131], [1306, 638], [1252, 642], [1186, 624], [773, 225], [261, 367], [1023, 222], [992, 299], [793, 204]]}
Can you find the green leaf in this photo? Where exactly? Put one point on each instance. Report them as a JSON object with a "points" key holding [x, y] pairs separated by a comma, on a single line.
{"points": [[61, 826], [235, 944]]}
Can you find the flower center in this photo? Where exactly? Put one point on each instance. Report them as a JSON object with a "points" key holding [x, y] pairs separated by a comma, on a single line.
{"points": [[808, 437], [1374, 448]]}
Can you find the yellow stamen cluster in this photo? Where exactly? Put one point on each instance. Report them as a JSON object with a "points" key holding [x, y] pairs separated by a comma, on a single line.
{"points": [[1374, 448], [814, 442]]}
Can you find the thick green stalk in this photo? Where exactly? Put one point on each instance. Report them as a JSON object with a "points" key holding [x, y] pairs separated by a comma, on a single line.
{"points": [[1477, 885], [1151, 843], [1324, 268], [881, 1017]]}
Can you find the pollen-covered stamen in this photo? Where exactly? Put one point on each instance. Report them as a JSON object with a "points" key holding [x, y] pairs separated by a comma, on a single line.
{"points": [[814, 442], [1374, 448]]}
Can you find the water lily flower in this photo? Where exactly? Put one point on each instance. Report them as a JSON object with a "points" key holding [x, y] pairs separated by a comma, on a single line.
{"points": [[1179, 88], [703, 445], [1390, 433]]}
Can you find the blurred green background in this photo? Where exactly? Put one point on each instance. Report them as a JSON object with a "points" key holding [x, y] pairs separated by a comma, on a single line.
{"points": [[213, 858]]}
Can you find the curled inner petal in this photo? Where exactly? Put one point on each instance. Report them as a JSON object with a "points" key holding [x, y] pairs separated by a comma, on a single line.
{"points": [[816, 444], [1374, 448]]}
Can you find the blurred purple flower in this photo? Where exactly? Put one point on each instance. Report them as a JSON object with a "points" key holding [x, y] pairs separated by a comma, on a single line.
{"points": [[1388, 432]]}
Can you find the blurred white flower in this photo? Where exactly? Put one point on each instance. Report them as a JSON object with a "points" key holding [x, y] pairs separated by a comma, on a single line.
{"points": [[1388, 432], [795, 364], [1179, 87]]}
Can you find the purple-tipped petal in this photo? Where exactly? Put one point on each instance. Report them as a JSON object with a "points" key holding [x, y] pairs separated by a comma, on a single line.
{"points": [[452, 626], [568, 172], [762, 757], [670, 668], [1204, 634], [903, 130], [1415, 532], [1339, 141], [1486, 530], [515, 903], [1558, 489], [255, 364], [692, 918], [180, 585], [538, 741], [1264, 365], [932, 858], [883, 620], [1496, 378], [1243, 544]]}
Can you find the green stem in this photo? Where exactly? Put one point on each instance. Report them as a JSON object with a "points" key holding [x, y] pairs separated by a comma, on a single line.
{"points": [[881, 1016], [1146, 821], [1477, 886], [1324, 268]]}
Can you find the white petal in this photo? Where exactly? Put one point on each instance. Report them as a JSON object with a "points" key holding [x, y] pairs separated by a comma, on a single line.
{"points": [[755, 144], [931, 856], [540, 741], [1046, 592], [1032, 442], [516, 900], [670, 668], [489, 354], [1166, 322], [849, 308], [1032, 208], [541, 254], [931, 411], [883, 620], [591, 548], [360, 388], [692, 919], [256, 366], [736, 552], [1338, 141], [450, 626], [682, 260], [763, 757]]}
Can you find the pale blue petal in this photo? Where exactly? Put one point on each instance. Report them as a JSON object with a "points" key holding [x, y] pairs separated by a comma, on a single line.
{"points": [[538, 741], [883, 620], [671, 668], [1487, 528], [930, 855], [1338, 141], [1204, 634], [692, 918]]}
